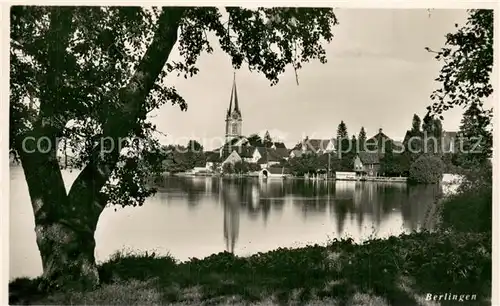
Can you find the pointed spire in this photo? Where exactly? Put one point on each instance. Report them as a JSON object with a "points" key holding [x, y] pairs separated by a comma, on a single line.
{"points": [[231, 100], [236, 106], [234, 97]]}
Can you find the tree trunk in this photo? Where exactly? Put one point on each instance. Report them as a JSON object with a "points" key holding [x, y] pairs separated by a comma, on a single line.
{"points": [[64, 228], [65, 222], [67, 255]]}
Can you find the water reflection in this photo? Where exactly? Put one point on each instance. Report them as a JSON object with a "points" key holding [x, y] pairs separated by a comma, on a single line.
{"points": [[355, 209], [229, 196], [198, 216]]}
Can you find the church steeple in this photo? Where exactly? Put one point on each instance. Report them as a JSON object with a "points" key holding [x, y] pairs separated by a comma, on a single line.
{"points": [[233, 117], [234, 97]]}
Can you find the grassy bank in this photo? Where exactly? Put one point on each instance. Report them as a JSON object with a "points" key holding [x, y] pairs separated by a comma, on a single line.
{"points": [[395, 271]]}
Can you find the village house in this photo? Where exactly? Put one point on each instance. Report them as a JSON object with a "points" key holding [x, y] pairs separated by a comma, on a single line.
{"points": [[367, 163], [268, 157], [316, 146], [233, 158], [264, 157], [280, 149], [213, 160], [378, 141], [274, 172]]}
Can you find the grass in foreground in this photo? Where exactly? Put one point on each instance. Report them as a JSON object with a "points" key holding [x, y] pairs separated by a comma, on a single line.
{"points": [[396, 271]]}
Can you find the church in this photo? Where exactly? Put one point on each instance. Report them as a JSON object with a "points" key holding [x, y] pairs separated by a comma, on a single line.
{"points": [[237, 147], [234, 119]]}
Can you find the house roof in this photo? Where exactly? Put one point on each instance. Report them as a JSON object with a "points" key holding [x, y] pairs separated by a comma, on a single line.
{"points": [[273, 155], [236, 140], [379, 135], [279, 145], [270, 155], [296, 152], [369, 157], [410, 134], [314, 144], [212, 157], [243, 151], [282, 152]]}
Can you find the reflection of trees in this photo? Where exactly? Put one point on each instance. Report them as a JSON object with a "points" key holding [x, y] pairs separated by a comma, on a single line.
{"points": [[418, 200], [192, 189], [310, 197], [341, 208], [362, 199], [361, 202], [343, 203]]}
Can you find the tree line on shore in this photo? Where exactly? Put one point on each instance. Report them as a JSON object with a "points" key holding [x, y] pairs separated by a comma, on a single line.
{"points": [[420, 160]]}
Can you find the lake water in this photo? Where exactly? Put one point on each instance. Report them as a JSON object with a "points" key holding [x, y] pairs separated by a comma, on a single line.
{"points": [[198, 216]]}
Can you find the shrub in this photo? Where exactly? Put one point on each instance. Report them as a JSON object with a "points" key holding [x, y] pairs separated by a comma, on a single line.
{"points": [[227, 168], [470, 210], [254, 167], [427, 169]]}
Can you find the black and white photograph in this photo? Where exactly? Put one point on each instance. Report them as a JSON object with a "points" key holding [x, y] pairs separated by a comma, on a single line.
{"points": [[250, 153]]}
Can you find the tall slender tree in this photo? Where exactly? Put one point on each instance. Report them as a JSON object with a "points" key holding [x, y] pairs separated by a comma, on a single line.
{"points": [[267, 140], [342, 130], [362, 138], [342, 138], [416, 123], [475, 142]]}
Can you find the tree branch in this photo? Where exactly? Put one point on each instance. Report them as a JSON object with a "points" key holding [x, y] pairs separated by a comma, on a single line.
{"points": [[58, 35], [87, 186]]}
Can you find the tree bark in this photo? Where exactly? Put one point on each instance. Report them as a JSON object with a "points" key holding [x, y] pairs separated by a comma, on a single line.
{"points": [[65, 223], [64, 230]]}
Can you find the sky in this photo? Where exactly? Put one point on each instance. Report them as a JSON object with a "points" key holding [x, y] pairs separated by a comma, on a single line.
{"points": [[378, 75]]}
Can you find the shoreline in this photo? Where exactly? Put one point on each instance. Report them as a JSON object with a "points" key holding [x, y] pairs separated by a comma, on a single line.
{"points": [[289, 177], [406, 267]]}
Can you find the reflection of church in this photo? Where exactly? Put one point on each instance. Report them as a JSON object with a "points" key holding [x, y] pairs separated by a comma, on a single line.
{"points": [[231, 208]]}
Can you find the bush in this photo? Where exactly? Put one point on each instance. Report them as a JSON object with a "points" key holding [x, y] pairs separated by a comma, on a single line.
{"points": [[427, 169], [241, 167], [227, 168], [469, 211], [254, 167]]}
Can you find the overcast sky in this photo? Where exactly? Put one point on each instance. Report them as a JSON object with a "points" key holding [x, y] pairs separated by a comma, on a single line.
{"points": [[377, 76]]}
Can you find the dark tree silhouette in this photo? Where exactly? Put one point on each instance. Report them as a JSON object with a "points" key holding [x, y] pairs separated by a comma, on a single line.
{"points": [[92, 74]]}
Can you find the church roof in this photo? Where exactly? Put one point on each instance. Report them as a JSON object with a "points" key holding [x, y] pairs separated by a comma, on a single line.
{"points": [[234, 99]]}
